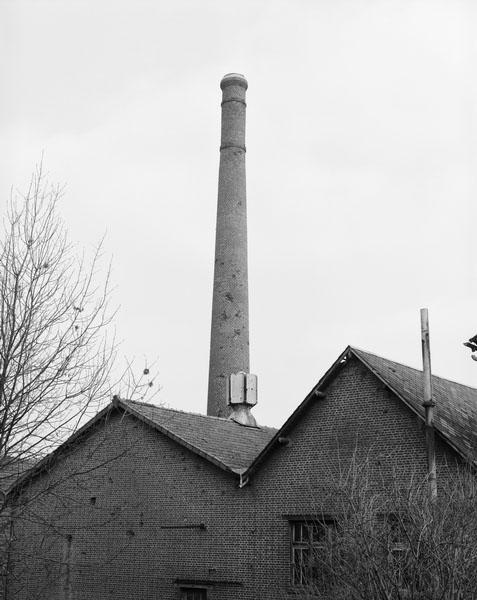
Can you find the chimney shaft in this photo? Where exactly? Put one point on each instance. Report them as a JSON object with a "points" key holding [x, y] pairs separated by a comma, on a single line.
{"points": [[229, 340]]}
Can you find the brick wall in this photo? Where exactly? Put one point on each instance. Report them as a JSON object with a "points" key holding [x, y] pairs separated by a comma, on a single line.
{"points": [[359, 419], [143, 512]]}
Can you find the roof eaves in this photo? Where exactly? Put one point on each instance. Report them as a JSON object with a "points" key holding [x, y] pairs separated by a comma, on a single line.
{"points": [[213, 459], [50, 458], [312, 396], [403, 399]]}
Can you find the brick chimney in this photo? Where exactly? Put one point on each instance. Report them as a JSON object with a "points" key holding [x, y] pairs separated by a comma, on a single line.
{"points": [[229, 340]]}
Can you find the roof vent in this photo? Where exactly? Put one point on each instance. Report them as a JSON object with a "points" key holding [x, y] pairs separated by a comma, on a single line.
{"points": [[241, 397]]}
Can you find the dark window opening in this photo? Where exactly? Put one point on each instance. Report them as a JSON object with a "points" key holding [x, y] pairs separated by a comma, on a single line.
{"points": [[193, 593], [398, 549], [397, 534], [311, 559]]}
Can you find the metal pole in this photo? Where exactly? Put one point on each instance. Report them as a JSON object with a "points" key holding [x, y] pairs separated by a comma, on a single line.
{"points": [[428, 404]]}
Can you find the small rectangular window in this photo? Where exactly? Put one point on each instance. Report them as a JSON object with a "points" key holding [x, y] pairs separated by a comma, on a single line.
{"points": [[192, 593]]}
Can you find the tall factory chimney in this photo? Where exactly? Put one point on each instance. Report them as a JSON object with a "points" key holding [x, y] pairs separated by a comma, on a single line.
{"points": [[232, 390]]}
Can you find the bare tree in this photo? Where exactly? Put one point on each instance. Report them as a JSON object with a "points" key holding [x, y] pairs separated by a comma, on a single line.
{"points": [[56, 353], [392, 542], [56, 364]]}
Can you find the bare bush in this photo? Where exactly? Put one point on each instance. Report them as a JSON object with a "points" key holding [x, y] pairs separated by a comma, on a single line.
{"points": [[393, 543]]}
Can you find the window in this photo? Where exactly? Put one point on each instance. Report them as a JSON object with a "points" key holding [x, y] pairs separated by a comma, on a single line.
{"points": [[398, 548], [310, 556], [192, 593]]}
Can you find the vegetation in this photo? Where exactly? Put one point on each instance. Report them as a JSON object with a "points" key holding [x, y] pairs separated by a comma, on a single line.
{"points": [[56, 352], [394, 543]]}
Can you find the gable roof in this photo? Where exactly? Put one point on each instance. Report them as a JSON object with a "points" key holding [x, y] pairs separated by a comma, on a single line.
{"points": [[225, 443], [240, 450], [455, 414]]}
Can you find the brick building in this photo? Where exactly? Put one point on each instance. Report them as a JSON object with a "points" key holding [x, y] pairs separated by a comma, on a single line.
{"points": [[146, 502]]}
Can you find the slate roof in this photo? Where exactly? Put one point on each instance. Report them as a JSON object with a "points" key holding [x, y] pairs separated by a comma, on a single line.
{"points": [[228, 444], [455, 413]]}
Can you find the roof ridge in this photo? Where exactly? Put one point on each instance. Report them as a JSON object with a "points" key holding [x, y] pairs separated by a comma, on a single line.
{"points": [[177, 410], [396, 362], [187, 412]]}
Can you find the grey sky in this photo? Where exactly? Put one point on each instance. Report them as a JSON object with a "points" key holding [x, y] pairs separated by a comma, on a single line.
{"points": [[361, 159]]}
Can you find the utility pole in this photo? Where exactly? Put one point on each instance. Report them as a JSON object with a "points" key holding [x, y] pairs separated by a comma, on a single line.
{"points": [[428, 404]]}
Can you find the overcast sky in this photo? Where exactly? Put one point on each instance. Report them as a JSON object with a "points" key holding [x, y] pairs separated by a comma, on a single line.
{"points": [[361, 172]]}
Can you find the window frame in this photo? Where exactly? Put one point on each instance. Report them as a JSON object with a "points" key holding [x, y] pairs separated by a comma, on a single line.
{"points": [[193, 592], [398, 545], [309, 535]]}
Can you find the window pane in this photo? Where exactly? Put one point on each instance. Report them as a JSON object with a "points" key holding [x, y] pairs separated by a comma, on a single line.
{"points": [[301, 564], [323, 530], [297, 532], [318, 532]]}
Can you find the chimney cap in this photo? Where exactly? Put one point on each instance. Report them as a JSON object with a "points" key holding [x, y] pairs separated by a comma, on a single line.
{"points": [[233, 79]]}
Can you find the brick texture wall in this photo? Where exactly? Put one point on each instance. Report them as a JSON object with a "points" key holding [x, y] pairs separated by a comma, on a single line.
{"points": [[132, 512]]}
